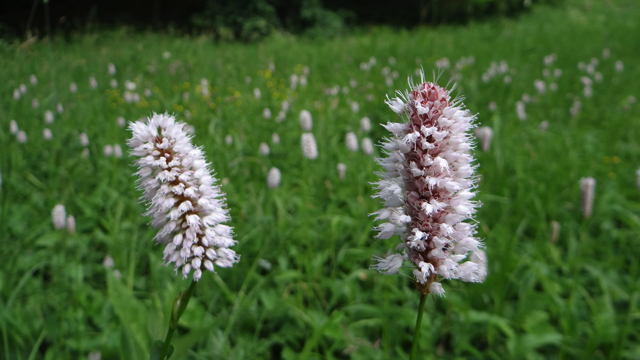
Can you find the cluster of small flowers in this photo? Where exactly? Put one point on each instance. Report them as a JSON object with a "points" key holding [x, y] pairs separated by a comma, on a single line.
{"points": [[496, 69], [184, 202], [427, 189]]}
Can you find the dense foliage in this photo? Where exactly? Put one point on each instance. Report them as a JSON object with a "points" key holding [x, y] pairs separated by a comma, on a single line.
{"points": [[246, 20]]}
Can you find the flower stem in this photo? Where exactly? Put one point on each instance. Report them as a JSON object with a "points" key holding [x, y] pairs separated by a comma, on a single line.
{"points": [[416, 333], [181, 302]]}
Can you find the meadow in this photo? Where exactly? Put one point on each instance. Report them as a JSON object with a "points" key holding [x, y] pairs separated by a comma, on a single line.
{"points": [[303, 288]]}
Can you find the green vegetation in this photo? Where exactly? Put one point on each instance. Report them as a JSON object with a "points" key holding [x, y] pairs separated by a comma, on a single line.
{"points": [[578, 297]]}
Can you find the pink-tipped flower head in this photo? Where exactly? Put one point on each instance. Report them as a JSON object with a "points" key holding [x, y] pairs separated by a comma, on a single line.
{"points": [[427, 187], [185, 204]]}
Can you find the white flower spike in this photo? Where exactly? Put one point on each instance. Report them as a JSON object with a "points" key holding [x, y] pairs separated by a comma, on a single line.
{"points": [[185, 204], [426, 188]]}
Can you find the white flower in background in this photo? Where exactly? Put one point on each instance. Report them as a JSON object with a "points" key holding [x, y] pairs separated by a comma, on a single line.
{"points": [[113, 83], [13, 127], [485, 134], [553, 87], [550, 59], [546, 72], [275, 138], [591, 69], [285, 105], [309, 146], [353, 82], [355, 107], [273, 178], [281, 116], [303, 81], [306, 123], [342, 170], [526, 98], [121, 121], [426, 187], [23, 88], [85, 153], [442, 64], [93, 83], [352, 141], [59, 108], [247, 79], [597, 76], [540, 86], [266, 113], [228, 139], [575, 108], [256, 93], [619, 66], [130, 85], [59, 216], [365, 124], [148, 93], [305, 70], [264, 149], [367, 146], [557, 73], [520, 111], [95, 355], [507, 79], [117, 151], [187, 114], [183, 200], [46, 134], [73, 87], [107, 150], [35, 103], [544, 125], [493, 106], [48, 117], [587, 189], [185, 95], [22, 137], [71, 224], [272, 66], [33, 79], [16, 94], [112, 69], [108, 262], [84, 139], [392, 60], [594, 61], [293, 81]]}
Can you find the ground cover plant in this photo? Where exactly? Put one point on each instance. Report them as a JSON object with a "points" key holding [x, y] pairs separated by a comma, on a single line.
{"points": [[556, 87]]}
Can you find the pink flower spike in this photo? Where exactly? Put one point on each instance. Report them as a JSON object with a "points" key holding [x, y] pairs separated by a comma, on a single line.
{"points": [[427, 188]]}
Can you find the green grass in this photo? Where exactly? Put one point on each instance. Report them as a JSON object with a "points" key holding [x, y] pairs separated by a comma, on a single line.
{"points": [[575, 298]]}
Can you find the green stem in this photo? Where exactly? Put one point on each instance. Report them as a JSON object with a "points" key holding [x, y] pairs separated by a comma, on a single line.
{"points": [[181, 302], [416, 333]]}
